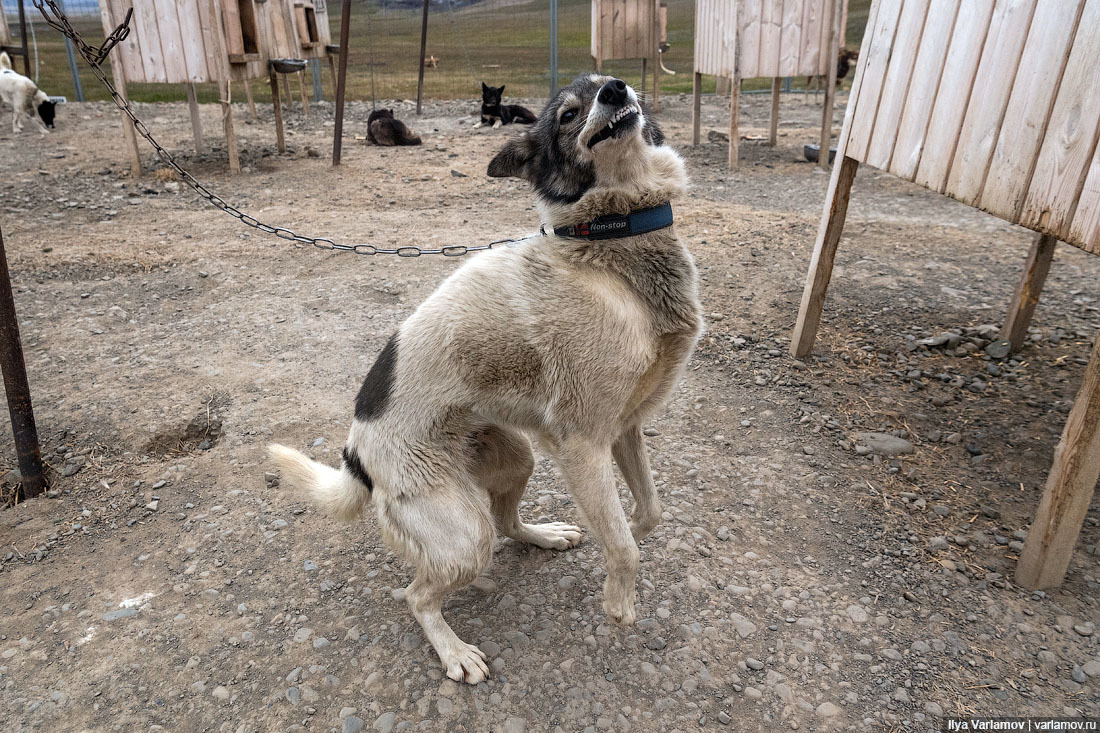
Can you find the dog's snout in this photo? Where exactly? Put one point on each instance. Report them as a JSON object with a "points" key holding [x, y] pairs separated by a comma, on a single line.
{"points": [[613, 92]]}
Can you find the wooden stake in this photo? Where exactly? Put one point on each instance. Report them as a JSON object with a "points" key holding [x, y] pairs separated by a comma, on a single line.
{"points": [[773, 130], [118, 74], [735, 122], [279, 138], [696, 108], [423, 46], [821, 264], [251, 100], [1027, 291], [830, 86], [224, 90], [196, 122], [1069, 489], [302, 89]]}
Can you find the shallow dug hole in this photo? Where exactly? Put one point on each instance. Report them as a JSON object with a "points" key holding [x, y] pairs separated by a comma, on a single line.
{"points": [[200, 433]]}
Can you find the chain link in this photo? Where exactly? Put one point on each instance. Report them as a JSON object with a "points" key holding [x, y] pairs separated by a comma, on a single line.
{"points": [[94, 57]]}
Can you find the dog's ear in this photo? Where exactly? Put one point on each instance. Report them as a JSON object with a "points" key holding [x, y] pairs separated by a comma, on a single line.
{"points": [[501, 90], [514, 159], [484, 87]]}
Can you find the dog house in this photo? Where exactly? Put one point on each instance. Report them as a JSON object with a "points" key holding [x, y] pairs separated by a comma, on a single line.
{"points": [[626, 30], [749, 39], [995, 103], [222, 41]]}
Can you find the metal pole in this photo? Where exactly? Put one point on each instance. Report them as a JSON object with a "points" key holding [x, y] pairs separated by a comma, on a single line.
{"points": [[73, 68], [23, 37], [27, 452], [315, 67], [341, 82], [423, 46], [553, 47]]}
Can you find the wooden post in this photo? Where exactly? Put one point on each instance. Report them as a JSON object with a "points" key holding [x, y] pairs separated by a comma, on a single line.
{"points": [[341, 82], [696, 108], [251, 100], [423, 46], [224, 90], [830, 85], [773, 129], [821, 264], [332, 70], [280, 140], [1069, 489], [27, 453], [735, 122], [196, 122], [1027, 291], [655, 103], [23, 39], [302, 89], [644, 75], [118, 74]]}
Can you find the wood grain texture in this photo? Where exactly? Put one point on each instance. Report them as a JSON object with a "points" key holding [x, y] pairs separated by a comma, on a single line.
{"points": [[1042, 63], [1069, 488], [955, 89], [986, 112], [899, 72], [939, 26], [1062, 194], [874, 60]]}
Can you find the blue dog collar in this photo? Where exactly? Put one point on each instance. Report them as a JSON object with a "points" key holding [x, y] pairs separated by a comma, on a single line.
{"points": [[614, 226]]}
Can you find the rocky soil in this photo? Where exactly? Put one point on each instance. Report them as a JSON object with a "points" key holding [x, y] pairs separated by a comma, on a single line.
{"points": [[839, 535]]}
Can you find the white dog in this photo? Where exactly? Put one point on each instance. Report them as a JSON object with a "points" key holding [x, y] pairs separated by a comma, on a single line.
{"points": [[573, 338], [24, 97]]}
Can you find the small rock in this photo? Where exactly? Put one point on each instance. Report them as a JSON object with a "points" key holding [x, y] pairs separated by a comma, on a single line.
{"points": [[1086, 629], [858, 614], [999, 349], [458, 174], [937, 544], [754, 663], [827, 710], [221, 692], [883, 444], [353, 724]]}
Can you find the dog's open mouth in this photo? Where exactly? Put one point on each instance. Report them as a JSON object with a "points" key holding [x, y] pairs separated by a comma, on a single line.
{"points": [[622, 120]]}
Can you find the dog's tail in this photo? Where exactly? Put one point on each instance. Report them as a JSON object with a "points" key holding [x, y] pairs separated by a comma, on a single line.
{"points": [[339, 492], [5, 60]]}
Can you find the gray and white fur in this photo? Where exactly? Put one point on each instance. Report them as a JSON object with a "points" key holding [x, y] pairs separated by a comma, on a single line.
{"points": [[573, 343], [25, 98]]}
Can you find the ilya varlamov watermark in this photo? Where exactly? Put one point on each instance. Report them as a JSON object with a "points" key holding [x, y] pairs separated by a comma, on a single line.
{"points": [[956, 725]]}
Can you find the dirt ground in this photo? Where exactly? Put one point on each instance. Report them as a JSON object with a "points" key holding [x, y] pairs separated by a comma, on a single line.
{"points": [[799, 580]]}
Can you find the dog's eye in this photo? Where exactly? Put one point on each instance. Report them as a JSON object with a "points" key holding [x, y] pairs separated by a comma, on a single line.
{"points": [[568, 116]]}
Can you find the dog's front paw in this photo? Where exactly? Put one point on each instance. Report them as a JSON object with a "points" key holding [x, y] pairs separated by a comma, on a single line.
{"points": [[497, 124], [550, 536], [477, 125], [466, 663], [621, 610]]}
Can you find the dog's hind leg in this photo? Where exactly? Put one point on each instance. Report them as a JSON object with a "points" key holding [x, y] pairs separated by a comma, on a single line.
{"points": [[447, 533], [590, 476], [503, 465], [630, 454]]}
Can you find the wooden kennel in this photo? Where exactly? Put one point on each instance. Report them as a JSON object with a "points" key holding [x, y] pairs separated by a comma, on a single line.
{"points": [[748, 39], [222, 41], [995, 103], [627, 30]]}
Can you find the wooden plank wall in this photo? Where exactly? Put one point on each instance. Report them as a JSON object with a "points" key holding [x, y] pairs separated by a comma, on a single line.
{"points": [[172, 41], [623, 29], [993, 102], [5, 34], [778, 37]]}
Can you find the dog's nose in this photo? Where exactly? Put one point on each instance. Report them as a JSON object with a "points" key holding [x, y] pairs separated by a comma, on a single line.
{"points": [[613, 92]]}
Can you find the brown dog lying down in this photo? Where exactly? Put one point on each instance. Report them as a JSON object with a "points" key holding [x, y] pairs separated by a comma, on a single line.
{"points": [[383, 129]]}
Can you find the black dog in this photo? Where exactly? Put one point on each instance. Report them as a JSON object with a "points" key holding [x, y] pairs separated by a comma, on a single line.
{"points": [[496, 114], [383, 129]]}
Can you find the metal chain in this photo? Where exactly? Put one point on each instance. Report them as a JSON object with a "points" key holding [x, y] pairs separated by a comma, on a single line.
{"points": [[94, 57]]}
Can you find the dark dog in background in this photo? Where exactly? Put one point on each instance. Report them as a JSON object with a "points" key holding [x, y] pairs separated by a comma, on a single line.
{"points": [[496, 114], [845, 59], [384, 129]]}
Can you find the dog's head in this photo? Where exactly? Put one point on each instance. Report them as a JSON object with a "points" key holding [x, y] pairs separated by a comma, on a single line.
{"points": [[491, 96], [46, 112], [594, 150]]}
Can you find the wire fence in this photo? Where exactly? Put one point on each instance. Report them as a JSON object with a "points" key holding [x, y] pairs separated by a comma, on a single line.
{"points": [[499, 42]]}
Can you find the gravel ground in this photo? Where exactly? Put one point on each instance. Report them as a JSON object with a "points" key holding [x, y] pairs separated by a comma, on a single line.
{"points": [[839, 534]]}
